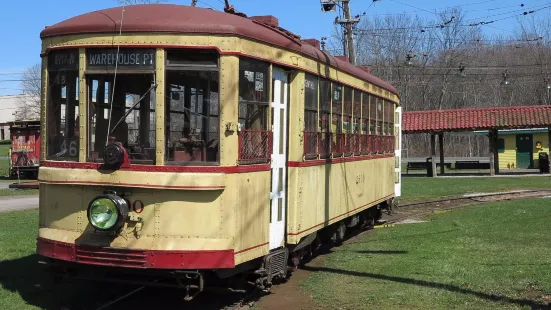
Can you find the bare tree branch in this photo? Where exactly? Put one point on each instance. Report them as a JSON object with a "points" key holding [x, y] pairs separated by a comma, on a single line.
{"points": [[31, 86]]}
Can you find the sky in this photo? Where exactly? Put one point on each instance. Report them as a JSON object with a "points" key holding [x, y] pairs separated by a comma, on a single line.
{"points": [[22, 20]]}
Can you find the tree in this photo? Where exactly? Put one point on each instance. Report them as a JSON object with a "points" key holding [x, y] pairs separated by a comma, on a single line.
{"points": [[31, 87]]}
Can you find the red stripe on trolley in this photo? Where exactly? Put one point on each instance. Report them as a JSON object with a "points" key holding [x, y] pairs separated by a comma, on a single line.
{"points": [[131, 184], [252, 248], [152, 168], [130, 258]]}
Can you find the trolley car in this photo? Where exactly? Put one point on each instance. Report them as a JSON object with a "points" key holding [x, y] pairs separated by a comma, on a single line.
{"points": [[24, 154], [185, 145]]}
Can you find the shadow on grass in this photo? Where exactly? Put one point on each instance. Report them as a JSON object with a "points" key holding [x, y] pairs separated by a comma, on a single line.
{"points": [[381, 252], [29, 279], [452, 230], [36, 287], [448, 287]]}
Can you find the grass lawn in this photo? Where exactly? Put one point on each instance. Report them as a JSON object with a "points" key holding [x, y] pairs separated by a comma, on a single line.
{"points": [[4, 148], [481, 257], [23, 282], [421, 189]]}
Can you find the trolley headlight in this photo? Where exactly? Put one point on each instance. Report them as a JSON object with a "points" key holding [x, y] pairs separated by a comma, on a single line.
{"points": [[107, 212]]}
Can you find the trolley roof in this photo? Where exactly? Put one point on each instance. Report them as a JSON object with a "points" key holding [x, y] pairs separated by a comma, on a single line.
{"points": [[170, 18]]}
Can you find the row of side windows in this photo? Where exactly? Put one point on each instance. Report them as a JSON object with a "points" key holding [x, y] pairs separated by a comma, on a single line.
{"points": [[339, 120]]}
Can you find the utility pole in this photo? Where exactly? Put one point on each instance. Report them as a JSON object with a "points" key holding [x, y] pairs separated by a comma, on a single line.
{"points": [[347, 22], [348, 34], [193, 2]]}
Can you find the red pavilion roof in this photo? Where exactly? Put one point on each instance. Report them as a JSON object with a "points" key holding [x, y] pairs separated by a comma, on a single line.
{"points": [[476, 119]]}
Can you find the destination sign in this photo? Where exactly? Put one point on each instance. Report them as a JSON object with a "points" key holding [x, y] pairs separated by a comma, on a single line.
{"points": [[63, 60], [126, 59]]}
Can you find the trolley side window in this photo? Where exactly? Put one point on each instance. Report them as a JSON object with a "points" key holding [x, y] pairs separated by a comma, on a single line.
{"points": [[357, 111], [347, 110], [372, 115], [380, 114], [311, 103], [310, 115], [253, 94], [389, 118], [255, 138], [336, 109], [365, 114], [325, 105], [62, 106], [192, 107]]}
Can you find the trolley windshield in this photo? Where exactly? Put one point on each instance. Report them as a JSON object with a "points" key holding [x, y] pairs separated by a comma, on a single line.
{"points": [[122, 110]]}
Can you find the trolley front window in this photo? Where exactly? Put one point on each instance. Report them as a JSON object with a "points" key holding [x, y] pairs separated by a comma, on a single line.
{"points": [[62, 106], [121, 102], [192, 107], [109, 102]]}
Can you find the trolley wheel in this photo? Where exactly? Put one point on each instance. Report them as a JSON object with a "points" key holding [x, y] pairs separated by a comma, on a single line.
{"points": [[341, 232]]}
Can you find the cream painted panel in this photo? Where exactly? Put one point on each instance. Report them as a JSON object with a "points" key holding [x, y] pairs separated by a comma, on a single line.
{"points": [[223, 43], [190, 214], [346, 187], [252, 210], [149, 243]]}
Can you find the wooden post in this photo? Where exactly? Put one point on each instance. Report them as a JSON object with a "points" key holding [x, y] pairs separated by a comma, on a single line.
{"points": [[549, 146], [441, 145], [492, 150], [433, 153], [496, 152]]}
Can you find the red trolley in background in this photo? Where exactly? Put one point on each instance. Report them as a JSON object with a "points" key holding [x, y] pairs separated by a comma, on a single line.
{"points": [[24, 154]]}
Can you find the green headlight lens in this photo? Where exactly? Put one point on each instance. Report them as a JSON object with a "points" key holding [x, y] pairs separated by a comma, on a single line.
{"points": [[103, 213]]}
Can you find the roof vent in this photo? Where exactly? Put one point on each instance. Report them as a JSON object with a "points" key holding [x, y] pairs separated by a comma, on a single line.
{"points": [[267, 19], [365, 69], [343, 58], [313, 42]]}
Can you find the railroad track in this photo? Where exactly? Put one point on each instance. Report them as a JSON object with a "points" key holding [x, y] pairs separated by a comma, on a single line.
{"points": [[403, 212], [416, 209]]}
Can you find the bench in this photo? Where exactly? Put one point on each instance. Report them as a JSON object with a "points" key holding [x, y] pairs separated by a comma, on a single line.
{"points": [[416, 166], [471, 164]]}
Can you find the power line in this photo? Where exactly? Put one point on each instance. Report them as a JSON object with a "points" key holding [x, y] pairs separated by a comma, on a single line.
{"points": [[210, 6], [467, 67], [19, 80], [412, 6], [446, 24]]}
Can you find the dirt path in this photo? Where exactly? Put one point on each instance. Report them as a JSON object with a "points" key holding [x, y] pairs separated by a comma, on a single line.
{"points": [[13, 203], [289, 295]]}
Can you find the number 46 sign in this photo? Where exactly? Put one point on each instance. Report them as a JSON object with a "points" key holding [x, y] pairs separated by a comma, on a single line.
{"points": [[67, 147]]}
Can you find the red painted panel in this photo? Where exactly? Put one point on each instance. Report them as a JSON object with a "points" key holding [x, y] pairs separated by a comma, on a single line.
{"points": [[136, 258], [54, 249], [151, 168]]}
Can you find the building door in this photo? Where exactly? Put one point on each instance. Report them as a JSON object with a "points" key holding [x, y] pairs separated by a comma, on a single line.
{"points": [[280, 97], [524, 151]]}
